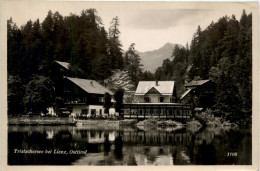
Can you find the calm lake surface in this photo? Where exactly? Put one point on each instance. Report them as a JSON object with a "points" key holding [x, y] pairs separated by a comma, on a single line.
{"points": [[79, 145]]}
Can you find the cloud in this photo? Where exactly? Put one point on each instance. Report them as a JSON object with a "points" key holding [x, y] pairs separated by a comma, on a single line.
{"points": [[164, 19]]}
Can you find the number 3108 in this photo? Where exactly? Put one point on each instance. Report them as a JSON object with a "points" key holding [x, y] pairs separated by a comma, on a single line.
{"points": [[232, 154]]}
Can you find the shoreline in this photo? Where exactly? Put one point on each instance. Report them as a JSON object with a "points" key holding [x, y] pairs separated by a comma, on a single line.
{"points": [[38, 120], [194, 125]]}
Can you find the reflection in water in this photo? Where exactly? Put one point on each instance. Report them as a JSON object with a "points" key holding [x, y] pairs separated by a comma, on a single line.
{"points": [[118, 148], [127, 146], [206, 154], [107, 145]]}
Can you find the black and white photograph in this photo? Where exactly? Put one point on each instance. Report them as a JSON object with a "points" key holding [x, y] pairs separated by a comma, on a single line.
{"points": [[130, 84]]}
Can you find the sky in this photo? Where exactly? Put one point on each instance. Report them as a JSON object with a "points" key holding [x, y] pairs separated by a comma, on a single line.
{"points": [[148, 25]]}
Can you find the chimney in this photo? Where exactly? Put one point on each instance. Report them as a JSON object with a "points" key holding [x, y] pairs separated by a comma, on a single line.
{"points": [[91, 83], [156, 82]]}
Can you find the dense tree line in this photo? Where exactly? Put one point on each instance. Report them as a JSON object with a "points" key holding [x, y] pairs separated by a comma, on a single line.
{"points": [[80, 40], [223, 53]]}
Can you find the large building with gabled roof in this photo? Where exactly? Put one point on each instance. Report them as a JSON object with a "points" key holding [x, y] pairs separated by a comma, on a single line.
{"points": [[156, 99], [155, 92], [84, 97]]}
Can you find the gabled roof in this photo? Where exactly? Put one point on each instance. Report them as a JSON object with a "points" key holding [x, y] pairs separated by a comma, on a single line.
{"points": [[163, 87], [185, 93], [90, 86], [153, 91], [63, 64], [196, 83]]}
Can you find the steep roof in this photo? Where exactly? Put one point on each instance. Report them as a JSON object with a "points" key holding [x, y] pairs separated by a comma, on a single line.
{"points": [[163, 87], [196, 83], [90, 86], [185, 93], [63, 64]]}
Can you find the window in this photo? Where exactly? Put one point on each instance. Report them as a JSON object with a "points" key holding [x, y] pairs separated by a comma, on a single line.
{"points": [[127, 111], [84, 99], [147, 99], [161, 99], [92, 134], [162, 112], [101, 99], [93, 111]]}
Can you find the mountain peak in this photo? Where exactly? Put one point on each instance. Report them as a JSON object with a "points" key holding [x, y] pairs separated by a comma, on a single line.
{"points": [[168, 45], [153, 59]]}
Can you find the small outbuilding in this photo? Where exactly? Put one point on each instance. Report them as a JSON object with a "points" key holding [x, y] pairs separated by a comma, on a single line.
{"points": [[199, 93]]}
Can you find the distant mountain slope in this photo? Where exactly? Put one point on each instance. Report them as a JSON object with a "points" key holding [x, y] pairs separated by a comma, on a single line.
{"points": [[154, 59]]}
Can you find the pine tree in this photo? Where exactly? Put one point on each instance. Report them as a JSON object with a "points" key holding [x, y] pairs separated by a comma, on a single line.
{"points": [[107, 102], [119, 94], [115, 51], [134, 66]]}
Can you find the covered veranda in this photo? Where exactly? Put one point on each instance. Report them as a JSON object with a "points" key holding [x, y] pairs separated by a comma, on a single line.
{"points": [[157, 110]]}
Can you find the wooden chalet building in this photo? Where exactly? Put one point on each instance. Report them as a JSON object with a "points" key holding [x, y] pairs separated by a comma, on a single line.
{"points": [[84, 97], [156, 92], [199, 93], [156, 99], [81, 96]]}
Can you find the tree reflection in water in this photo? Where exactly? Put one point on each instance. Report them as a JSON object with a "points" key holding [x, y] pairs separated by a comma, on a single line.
{"points": [[129, 146], [107, 145], [206, 154], [118, 148]]}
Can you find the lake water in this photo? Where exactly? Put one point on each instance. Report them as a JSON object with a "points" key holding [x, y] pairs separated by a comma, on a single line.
{"points": [[79, 145]]}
